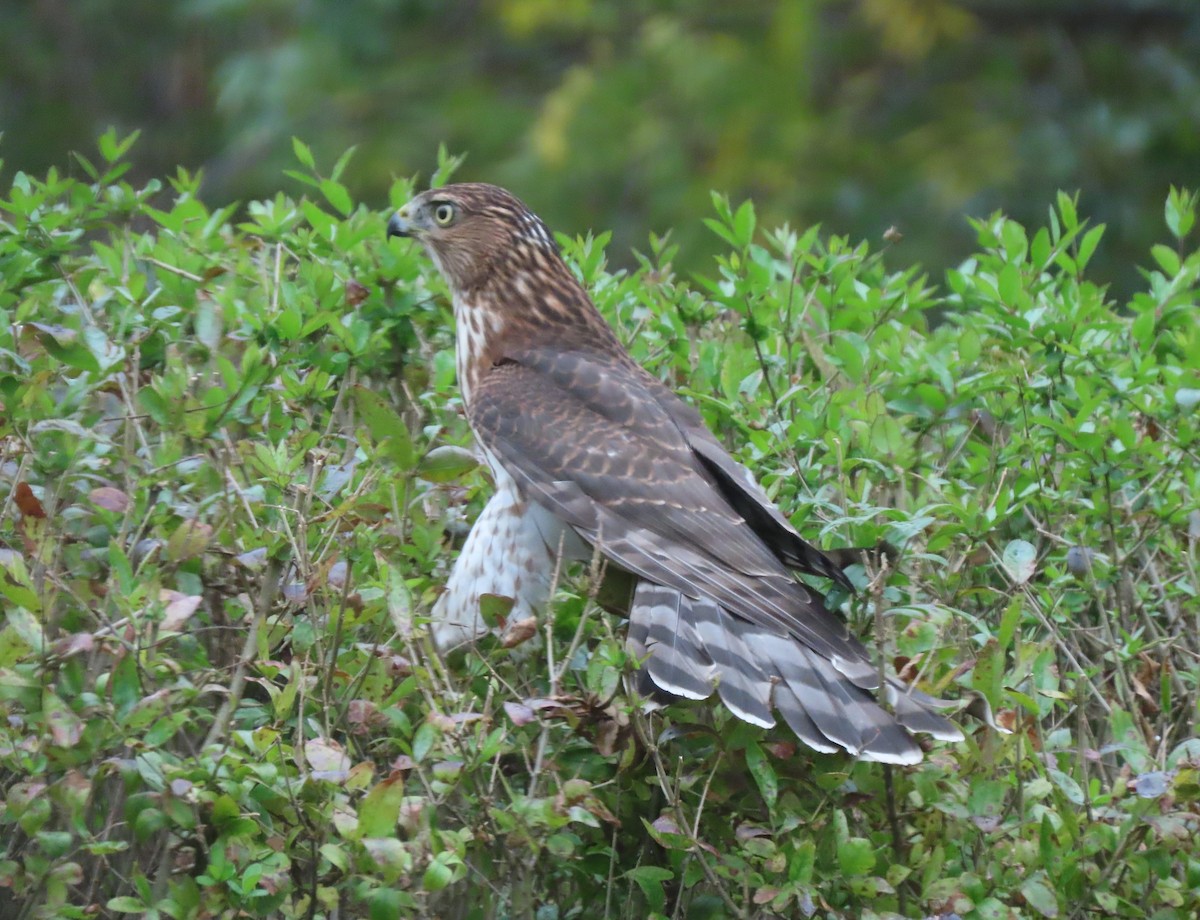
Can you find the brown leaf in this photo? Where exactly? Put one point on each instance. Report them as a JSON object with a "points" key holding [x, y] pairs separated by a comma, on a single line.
{"points": [[519, 632], [765, 895], [356, 292], [750, 831], [28, 503], [75, 644], [665, 824], [66, 728], [180, 608], [363, 714], [441, 721], [326, 756], [1140, 691], [782, 750], [519, 713], [110, 499]]}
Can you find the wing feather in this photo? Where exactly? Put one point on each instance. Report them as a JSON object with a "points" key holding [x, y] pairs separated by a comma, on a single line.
{"points": [[588, 438], [618, 470]]}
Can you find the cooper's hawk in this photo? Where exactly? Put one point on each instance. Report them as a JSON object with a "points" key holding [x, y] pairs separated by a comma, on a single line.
{"points": [[589, 451]]}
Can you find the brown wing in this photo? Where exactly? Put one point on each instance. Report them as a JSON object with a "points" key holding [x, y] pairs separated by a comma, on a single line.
{"points": [[589, 438]]}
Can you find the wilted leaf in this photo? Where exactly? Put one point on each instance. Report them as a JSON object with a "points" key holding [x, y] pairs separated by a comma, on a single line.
{"points": [[388, 852], [519, 713], [253, 559], [74, 644], [748, 831], [356, 292], [180, 608], [110, 499], [1020, 560], [27, 503], [66, 728], [326, 756], [189, 540], [519, 632], [1187, 398], [1154, 784]]}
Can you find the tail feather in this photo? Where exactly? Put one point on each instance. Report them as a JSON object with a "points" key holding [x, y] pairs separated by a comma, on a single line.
{"points": [[916, 711], [846, 714], [677, 661], [792, 709], [741, 682], [690, 644], [824, 696]]}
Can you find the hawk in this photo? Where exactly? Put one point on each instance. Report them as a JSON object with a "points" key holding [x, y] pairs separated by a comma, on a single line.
{"points": [[591, 453]]}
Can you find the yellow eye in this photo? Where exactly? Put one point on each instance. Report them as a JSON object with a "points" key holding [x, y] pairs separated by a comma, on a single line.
{"points": [[443, 213]]}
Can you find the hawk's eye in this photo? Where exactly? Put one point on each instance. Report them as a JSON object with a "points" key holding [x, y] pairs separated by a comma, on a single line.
{"points": [[443, 213]]}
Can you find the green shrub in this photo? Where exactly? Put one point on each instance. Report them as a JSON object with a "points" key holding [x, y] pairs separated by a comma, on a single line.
{"points": [[234, 473]]}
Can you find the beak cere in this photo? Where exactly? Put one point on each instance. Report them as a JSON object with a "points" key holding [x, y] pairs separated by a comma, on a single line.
{"points": [[399, 226]]}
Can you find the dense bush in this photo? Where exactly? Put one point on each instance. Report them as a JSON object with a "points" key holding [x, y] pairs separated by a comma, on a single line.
{"points": [[233, 474]]}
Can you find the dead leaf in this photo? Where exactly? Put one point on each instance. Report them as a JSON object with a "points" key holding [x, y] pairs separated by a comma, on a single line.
{"points": [[180, 608], [519, 713], [519, 632], [326, 756], [356, 292], [28, 503], [110, 499]]}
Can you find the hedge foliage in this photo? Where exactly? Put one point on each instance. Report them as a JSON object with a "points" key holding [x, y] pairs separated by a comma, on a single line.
{"points": [[234, 472]]}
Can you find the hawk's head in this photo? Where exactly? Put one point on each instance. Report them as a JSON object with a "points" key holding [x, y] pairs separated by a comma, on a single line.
{"points": [[473, 229]]}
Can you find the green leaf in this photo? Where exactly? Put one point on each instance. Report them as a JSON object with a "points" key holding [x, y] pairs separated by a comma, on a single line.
{"points": [[743, 224], [1180, 212], [424, 740], [650, 879], [123, 904], [65, 346], [1039, 896], [1167, 259], [1088, 245], [335, 193], [380, 807], [437, 875], [1009, 622], [1066, 207], [385, 426], [1187, 398], [495, 608], [17, 586], [446, 463], [856, 856], [852, 351], [763, 773], [303, 153], [342, 162]]}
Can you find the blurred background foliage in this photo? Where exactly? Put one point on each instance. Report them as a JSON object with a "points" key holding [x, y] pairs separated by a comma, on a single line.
{"points": [[623, 114]]}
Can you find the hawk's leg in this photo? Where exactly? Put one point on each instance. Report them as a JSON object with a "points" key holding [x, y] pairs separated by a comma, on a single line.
{"points": [[512, 552]]}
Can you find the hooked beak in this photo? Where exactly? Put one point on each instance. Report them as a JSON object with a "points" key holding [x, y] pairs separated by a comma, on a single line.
{"points": [[400, 225]]}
